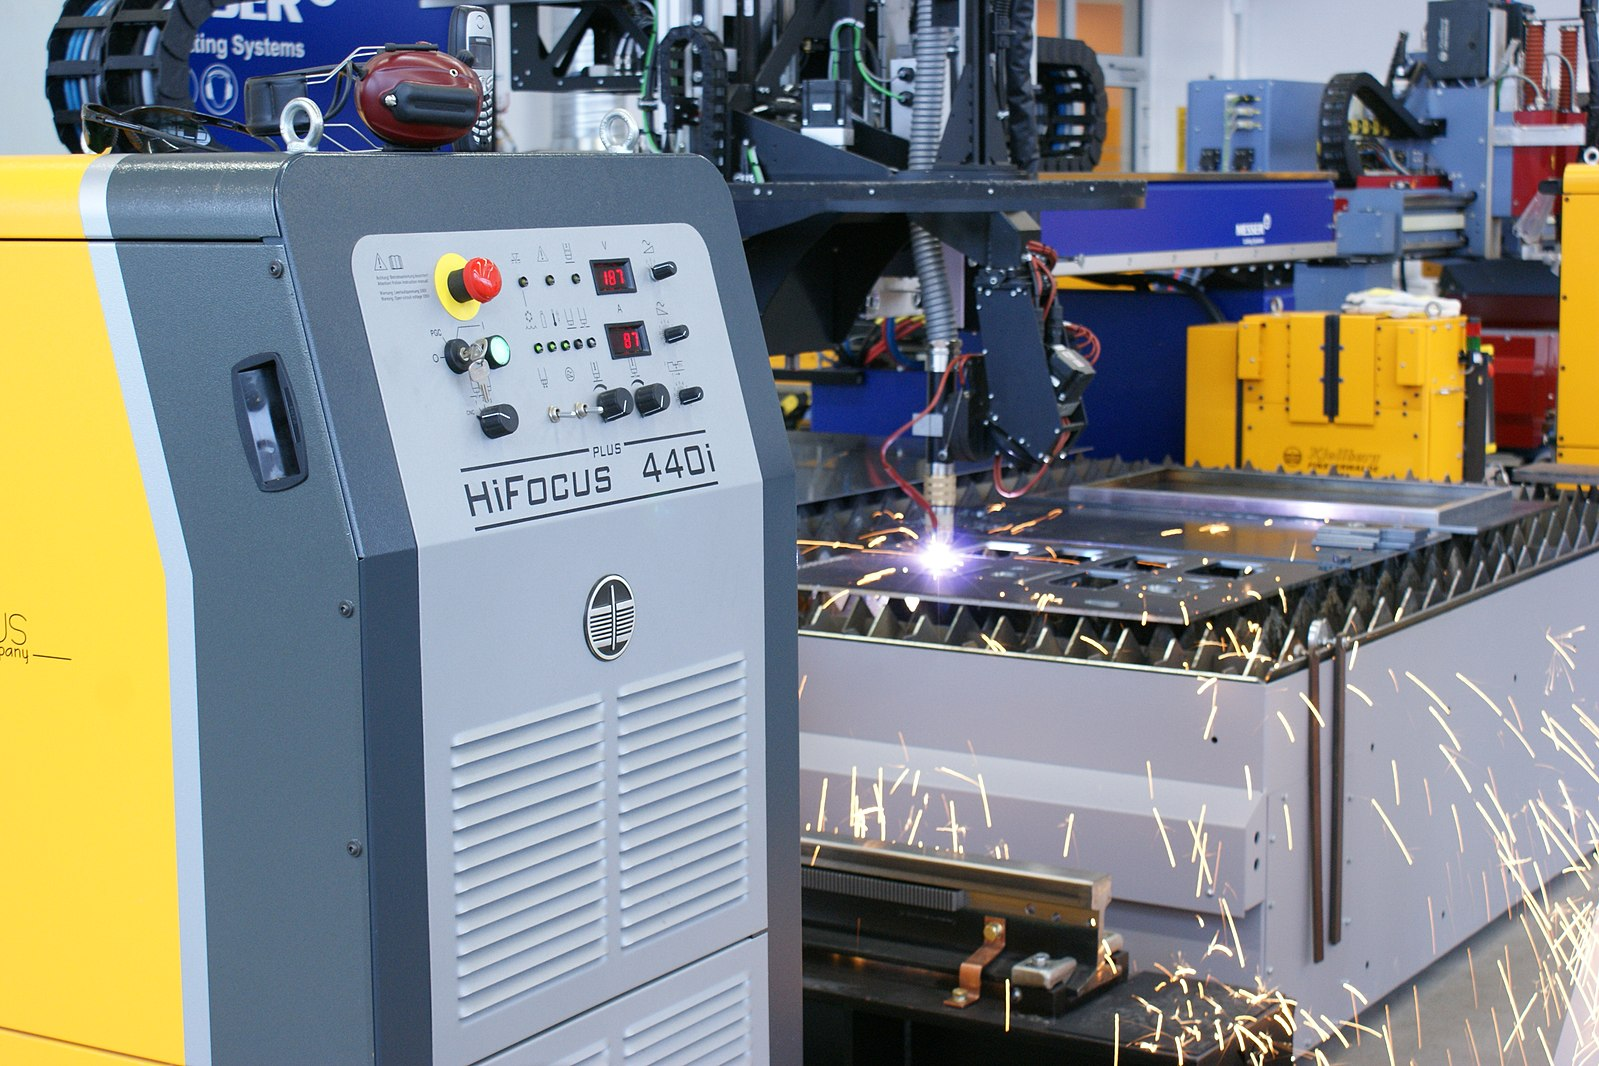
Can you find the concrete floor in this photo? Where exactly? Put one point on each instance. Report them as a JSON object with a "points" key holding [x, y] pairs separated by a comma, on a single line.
{"points": [[1463, 1007]]}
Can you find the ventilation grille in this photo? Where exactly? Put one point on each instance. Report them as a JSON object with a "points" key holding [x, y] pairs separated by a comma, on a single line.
{"points": [[711, 1028], [683, 758], [529, 826], [594, 1055]]}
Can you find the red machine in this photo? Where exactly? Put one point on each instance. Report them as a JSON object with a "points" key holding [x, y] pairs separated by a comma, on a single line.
{"points": [[1526, 374]]}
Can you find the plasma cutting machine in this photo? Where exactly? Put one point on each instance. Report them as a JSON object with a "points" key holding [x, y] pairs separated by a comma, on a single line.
{"points": [[360, 700]]}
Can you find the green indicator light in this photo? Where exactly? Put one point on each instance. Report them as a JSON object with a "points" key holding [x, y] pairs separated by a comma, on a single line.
{"points": [[499, 351]]}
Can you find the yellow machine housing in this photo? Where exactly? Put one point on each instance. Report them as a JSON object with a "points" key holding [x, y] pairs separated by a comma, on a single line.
{"points": [[1318, 393], [82, 617], [1577, 430]]}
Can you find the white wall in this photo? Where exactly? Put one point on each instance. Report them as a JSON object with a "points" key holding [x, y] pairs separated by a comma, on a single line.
{"points": [[1184, 41], [1296, 40], [24, 34]]}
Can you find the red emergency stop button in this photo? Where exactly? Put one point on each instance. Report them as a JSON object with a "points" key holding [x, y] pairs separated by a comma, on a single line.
{"points": [[478, 280]]}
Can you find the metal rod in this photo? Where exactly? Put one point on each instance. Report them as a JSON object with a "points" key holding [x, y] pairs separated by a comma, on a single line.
{"points": [[1335, 882], [970, 873], [1313, 657]]}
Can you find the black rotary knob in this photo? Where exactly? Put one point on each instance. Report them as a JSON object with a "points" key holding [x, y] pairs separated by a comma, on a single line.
{"points": [[498, 420], [613, 404], [651, 399]]}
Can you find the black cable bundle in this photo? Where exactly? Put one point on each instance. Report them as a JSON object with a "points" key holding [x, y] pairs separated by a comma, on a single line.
{"points": [[1590, 44]]}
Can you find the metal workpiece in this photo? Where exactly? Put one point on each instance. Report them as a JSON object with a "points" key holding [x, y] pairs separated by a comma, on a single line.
{"points": [[1069, 578], [951, 933], [1200, 588], [987, 882], [1188, 491]]}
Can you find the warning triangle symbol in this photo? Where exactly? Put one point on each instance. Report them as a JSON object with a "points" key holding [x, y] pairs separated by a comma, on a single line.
{"points": [[542, 257], [380, 264]]}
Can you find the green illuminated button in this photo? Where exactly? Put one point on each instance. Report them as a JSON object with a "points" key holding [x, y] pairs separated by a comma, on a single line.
{"points": [[499, 353]]}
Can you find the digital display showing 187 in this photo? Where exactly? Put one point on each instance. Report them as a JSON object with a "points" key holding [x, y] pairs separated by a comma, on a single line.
{"points": [[627, 339], [612, 276]]}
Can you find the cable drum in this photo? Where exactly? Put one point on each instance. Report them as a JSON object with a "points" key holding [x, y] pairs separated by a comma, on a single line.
{"points": [[121, 53]]}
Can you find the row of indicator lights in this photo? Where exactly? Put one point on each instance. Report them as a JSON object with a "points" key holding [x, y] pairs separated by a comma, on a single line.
{"points": [[610, 277], [458, 356], [479, 279], [499, 353], [549, 279]]}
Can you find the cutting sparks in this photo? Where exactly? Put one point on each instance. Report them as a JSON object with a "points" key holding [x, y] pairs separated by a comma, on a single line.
{"points": [[938, 556], [1397, 840]]}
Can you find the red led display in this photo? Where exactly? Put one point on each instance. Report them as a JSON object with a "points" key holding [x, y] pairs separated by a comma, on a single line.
{"points": [[612, 276], [627, 340]]}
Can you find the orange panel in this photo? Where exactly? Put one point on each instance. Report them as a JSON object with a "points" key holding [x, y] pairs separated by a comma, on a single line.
{"points": [[1046, 18], [1102, 27], [1115, 159]]}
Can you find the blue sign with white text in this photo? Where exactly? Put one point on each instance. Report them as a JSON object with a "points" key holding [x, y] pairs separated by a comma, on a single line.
{"points": [[255, 37], [1197, 213]]}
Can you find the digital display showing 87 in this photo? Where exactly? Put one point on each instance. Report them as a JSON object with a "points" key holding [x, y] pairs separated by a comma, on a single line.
{"points": [[627, 339]]}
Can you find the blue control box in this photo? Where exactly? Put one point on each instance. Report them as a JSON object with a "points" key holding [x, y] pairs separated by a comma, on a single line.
{"points": [[1252, 126]]}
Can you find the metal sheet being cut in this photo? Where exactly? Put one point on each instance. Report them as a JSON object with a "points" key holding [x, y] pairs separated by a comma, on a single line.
{"points": [[1176, 489], [1068, 578]]}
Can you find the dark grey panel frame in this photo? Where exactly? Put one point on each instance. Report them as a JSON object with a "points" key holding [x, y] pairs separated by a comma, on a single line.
{"points": [[278, 684]]}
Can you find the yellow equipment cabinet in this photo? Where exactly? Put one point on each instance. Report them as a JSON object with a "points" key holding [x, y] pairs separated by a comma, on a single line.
{"points": [[1577, 429], [1340, 394]]}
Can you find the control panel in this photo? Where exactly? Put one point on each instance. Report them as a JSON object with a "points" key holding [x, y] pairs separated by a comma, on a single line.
{"points": [[550, 371]]}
